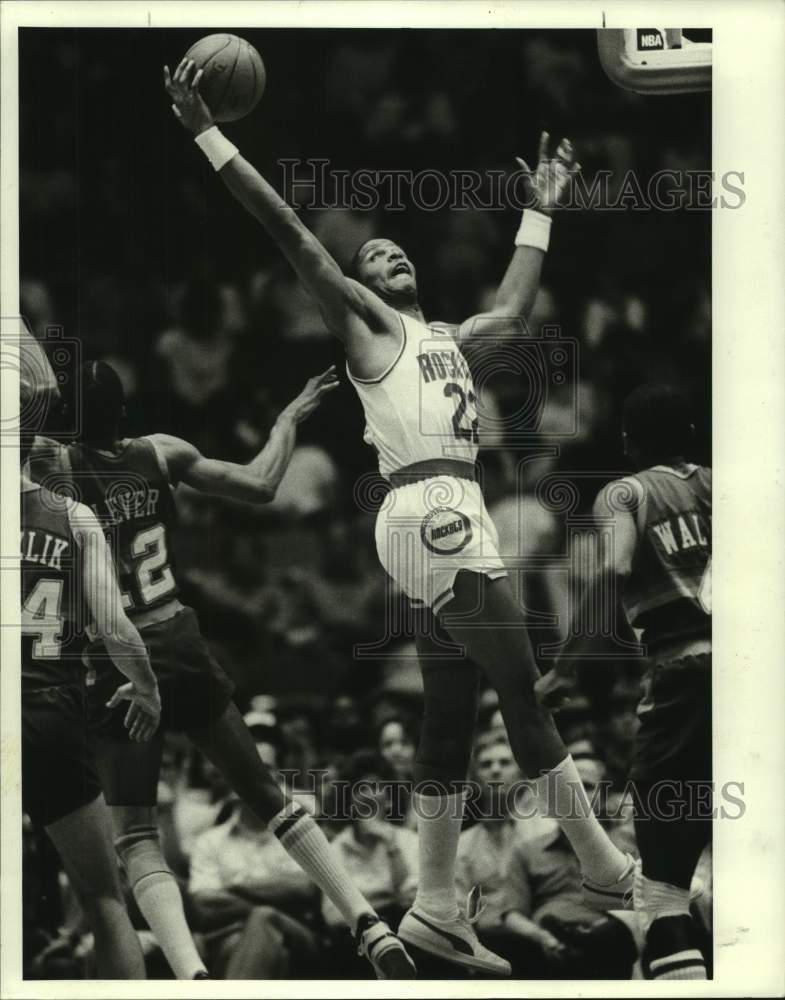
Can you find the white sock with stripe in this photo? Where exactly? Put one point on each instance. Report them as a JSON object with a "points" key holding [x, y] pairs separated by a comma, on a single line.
{"points": [[674, 956], [305, 842], [562, 793], [687, 964]]}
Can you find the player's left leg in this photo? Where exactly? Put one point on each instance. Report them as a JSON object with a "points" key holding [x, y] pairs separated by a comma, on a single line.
{"points": [[485, 618], [230, 747], [84, 842], [669, 851], [129, 775]]}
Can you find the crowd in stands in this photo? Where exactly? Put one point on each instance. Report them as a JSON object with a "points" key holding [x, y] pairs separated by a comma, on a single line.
{"points": [[256, 915]]}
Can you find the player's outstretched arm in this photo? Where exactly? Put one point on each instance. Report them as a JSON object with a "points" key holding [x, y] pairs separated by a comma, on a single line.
{"points": [[344, 304], [515, 295], [257, 481], [110, 623]]}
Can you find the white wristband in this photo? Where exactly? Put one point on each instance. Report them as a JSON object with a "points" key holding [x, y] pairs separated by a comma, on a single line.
{"points": [[216, 147], [534, 230]]}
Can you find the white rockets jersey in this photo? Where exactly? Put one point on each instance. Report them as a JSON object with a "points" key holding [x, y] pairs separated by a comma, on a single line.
{"points": [[423, 406]]}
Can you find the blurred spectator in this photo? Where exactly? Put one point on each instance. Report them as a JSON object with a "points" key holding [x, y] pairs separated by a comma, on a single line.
{"points": [[396, 743], [195, 357], [35, 304], [252, 901], [309, 485], [191, 796], [544, 903], [380, 856]]}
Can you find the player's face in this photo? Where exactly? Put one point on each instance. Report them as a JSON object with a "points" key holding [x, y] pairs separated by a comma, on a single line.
{"points": [[386, 270]]}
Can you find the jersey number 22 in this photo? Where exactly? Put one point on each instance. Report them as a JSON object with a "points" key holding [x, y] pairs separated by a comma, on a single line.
{"points": [[465, 433]]}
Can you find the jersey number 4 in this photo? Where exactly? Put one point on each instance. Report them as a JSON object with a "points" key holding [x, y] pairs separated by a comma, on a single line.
{"points": [[470, 433], [154, 578], [41, 618]]}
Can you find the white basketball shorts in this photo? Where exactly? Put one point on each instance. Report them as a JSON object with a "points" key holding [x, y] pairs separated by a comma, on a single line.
{"points": [[427, 531]]}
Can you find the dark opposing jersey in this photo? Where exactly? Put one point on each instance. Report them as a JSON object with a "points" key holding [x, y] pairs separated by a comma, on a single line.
{"points": [[130, 495], [668, 593], [54, 614]]}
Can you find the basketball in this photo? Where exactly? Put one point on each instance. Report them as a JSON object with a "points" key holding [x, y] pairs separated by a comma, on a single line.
{"points": [[234, 75]]}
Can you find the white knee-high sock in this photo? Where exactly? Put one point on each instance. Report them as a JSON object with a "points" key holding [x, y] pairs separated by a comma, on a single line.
{"points": [[562, 793], [439, 820], [309, 847], [158, 897]]}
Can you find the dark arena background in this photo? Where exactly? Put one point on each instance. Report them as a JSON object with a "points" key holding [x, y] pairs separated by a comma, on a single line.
{"points": [[133, 249]]}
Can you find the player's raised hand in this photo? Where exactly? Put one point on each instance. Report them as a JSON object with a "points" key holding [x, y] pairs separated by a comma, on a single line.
{"points": [[546, 185], [553, 689], [189, 106], [144, 712], [316, 388]]}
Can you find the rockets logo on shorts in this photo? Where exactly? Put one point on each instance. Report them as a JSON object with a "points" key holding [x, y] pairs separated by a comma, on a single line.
{"points": [[445, 531]]}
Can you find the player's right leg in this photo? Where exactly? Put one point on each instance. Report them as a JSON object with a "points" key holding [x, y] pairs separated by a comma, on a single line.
{"points": [[229, 745], [450, 691], [485, 618], [84, 842]]}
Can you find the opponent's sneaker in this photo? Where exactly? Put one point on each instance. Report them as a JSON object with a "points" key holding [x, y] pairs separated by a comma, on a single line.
{"points": [[616, 896], [377, 943], [453, 940]]}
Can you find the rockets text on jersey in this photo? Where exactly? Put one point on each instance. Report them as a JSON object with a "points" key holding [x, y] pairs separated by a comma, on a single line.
{"points": [[423, 406]]}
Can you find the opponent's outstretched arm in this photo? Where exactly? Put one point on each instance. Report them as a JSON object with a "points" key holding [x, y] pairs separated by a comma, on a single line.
{"points": [[257, 481], [545, 187], [343, 302]]}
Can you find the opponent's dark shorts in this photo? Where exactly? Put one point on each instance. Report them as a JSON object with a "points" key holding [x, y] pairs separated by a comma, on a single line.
{"points": [[674, 739], [195, 691], [58, 774]]}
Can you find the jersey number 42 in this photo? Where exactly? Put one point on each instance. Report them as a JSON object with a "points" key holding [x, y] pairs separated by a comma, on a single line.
{"points": [[153, 575]]}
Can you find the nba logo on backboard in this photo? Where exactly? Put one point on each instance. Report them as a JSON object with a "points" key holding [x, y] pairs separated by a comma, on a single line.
{"points": [[649, 39]]}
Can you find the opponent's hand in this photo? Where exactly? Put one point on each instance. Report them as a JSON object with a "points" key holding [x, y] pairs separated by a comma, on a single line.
{"points": [[144, 712], [553, 689], [316, 388], [189, 106], [546, 185]]}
